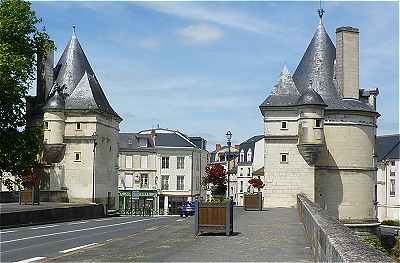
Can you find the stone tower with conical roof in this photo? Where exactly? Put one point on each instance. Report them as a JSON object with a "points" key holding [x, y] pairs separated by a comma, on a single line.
{"points": [[80, 127], [320, 132]]}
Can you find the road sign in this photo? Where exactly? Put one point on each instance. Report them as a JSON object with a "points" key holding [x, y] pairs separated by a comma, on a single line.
{"points": [[135, 195]]}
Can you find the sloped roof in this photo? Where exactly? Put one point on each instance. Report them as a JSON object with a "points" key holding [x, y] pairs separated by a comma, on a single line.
{"points": [[317, 65], [82, 89], [388, 147], [171, 138], [129, 141], [316, 70], [249, 144], [310, 97], [284, 92]]}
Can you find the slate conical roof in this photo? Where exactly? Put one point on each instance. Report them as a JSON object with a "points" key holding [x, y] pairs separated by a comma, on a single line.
{"points": [[317, 64], [310, 97], [56, 101], [284, 92], [315, 71], [285, 85], [82, 89]]}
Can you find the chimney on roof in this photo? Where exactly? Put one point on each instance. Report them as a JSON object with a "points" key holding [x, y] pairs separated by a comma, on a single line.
{"points": [[153, 136], [347, 61], [45, 64], [218, 147]]}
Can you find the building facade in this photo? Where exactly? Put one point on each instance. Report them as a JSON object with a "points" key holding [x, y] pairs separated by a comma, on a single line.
{"points": [[320, 131], [388, 178], [221, 155], [250, 165], [80, 127], [164, 164]]}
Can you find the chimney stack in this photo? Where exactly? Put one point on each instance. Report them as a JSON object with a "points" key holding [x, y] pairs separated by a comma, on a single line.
{"points": [[217, 147], [347, 61], [45, 64]]}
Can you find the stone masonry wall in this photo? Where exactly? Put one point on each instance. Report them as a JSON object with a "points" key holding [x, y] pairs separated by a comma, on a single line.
{"points": [[332, 241]]}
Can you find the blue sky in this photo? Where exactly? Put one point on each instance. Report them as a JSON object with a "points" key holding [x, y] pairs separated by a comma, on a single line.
{"points": [[205, 67]]}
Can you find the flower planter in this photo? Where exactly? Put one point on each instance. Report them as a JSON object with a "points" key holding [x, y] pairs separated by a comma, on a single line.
{"points": [[253, 201], [29, 197], [213, 217]]}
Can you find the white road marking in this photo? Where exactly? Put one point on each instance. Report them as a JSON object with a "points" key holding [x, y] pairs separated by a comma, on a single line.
{"points": [[30, 260], [77, 223], [40, 227], [104, 219], [77, 230], [5, 232], [77, 248], [152, 228], [180, 220]]}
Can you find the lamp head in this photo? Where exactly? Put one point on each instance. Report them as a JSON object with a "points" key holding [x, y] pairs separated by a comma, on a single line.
{"points": [[228, 136]]}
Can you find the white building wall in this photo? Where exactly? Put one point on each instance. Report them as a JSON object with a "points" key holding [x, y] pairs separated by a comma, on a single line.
{"points": [[76, 176], [388, 201], [259, 149]]}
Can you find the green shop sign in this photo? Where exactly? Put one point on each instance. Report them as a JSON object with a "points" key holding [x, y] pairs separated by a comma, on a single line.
{"points": [[142, 193]]}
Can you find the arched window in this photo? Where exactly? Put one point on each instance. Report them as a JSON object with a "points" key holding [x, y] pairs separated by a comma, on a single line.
{"points": [[242, 156], [249, 155]]}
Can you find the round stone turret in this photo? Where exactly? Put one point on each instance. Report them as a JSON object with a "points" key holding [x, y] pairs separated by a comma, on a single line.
{"points": [[311, 131], [54, 126]]}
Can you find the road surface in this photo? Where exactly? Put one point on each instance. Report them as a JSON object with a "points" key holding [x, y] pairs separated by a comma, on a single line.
{"points": [[42, 242]]}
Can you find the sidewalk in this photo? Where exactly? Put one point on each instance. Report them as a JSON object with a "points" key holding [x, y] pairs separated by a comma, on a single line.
{"points": [[268, 236]]}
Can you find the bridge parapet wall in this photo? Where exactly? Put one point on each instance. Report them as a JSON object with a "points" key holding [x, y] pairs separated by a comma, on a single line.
{"points": [[332, 241]]}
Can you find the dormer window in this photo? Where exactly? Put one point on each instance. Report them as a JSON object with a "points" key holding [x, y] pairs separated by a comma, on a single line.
{"points": [[78, 125], [284, 125], [318, 123], [142, 142], [249, 155], [242, 156]]}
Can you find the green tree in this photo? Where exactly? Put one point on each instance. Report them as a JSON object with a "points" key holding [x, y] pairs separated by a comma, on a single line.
{"points": [[20, 42]]}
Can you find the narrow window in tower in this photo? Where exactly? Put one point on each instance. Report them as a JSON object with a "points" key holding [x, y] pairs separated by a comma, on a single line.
{"points": [[46, 125], [284, 125], [284, 158], [78, 125], [77, 157], [318, 123]]}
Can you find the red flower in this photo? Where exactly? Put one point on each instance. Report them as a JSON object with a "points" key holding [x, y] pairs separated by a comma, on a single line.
{"points": [[256, 183]]}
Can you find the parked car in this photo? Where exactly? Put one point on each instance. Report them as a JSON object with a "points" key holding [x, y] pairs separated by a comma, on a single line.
{"points": [[187, 209]]}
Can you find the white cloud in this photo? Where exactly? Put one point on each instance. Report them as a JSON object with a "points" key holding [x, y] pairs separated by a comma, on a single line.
{"points": [[221, 16], [200, 34]]}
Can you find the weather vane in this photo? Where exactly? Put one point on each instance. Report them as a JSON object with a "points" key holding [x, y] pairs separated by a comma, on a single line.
{"points": [[321, 11]]}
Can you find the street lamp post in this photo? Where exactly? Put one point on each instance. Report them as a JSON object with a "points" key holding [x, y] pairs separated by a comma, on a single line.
{"points": [[228, 138], [94, 136]]}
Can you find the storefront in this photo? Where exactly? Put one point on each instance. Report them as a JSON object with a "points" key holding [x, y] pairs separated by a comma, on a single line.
{"points": [[174, 203], [138, 202]]}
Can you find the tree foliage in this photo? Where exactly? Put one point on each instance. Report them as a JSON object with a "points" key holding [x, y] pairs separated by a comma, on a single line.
{"points": [[20, 42], [216, 179]]}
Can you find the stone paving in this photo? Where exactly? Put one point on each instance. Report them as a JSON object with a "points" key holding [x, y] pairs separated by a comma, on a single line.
{"points": [[269, 236]]}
